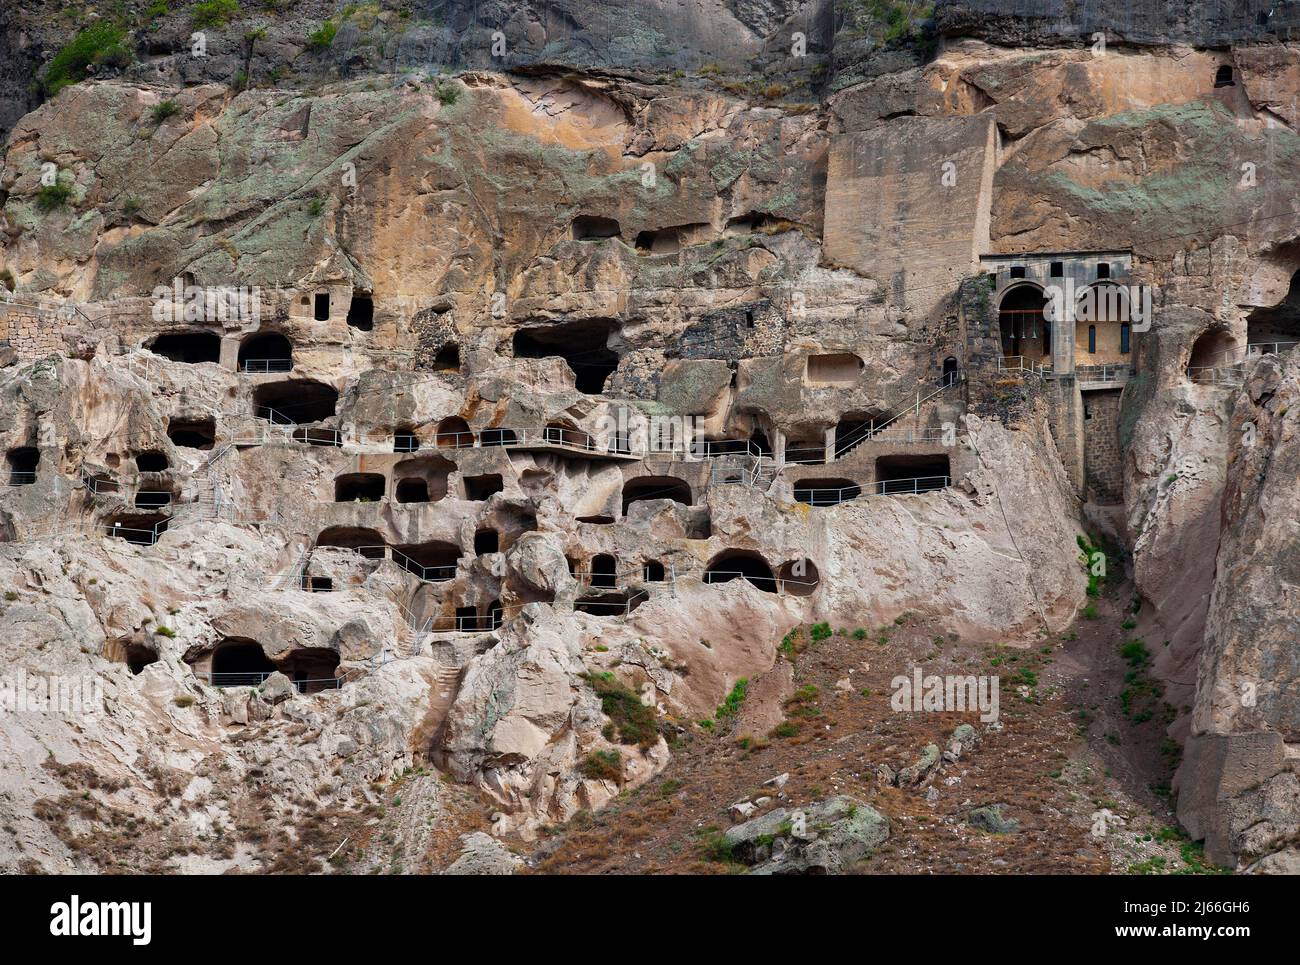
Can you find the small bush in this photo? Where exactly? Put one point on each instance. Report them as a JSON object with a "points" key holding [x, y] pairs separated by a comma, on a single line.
{"points": [[10, 596], [731, 706], [602, 766], [447, 93], [860, 633], [323, 37], [184, 700], [214, 13], [820, 632], [163, 110], [52, 196], [167, 632], [631, 722], [70, 64]]}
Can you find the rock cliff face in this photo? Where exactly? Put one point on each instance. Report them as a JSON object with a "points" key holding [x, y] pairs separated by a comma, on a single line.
{"points": [[375, 403]]}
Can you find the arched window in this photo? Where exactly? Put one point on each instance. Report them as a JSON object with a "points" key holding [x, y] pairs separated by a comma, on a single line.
{"points": [[1223, 77]]}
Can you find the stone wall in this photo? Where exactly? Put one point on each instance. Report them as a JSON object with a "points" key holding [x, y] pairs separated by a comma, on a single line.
{"points": [[1103, 457], [30, 336]]}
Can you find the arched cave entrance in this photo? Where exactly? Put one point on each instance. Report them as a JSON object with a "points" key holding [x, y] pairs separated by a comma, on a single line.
{"points": [[367, 542], [583, 344], [296, 402], [364, 487], [1020, 321], [23, 462], [655, 487], [732, 564], [239, 662], [826, 492], [188, 347], [266, 352]]}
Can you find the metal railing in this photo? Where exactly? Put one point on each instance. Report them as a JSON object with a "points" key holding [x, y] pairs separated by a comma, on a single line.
{"points": [[256, 679], [815, 496], [1023, 363], [1118, 372], [871, 430], [140, 536], [426, 574], [1233, 374], [266, 365], [1255, 349], [19, 477]]}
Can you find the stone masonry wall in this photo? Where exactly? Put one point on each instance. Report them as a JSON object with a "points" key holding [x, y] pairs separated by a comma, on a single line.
{"points": [[30, 336], [1103, 458]]}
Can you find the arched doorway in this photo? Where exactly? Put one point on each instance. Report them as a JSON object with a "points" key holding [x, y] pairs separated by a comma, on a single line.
{"points": [[1020, 321]]}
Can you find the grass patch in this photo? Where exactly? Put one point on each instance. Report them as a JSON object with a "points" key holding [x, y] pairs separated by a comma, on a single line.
{"points": [[602, 766], [98, 43], [630, 721], [730, 707], [214, 13], [52, 196], [323, 37]]}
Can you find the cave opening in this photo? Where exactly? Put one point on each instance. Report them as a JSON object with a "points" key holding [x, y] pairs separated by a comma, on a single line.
{"points": [[479, 488], [192, 433], [23, 462], [188, 347], [367, 542], [655, 487], [911, 474], [826, 492], [361, 313], [239, 662], [590, 227], [583, 344], [296, 402], [363, 487], [735, 564], [152, 460], [266, 352]]}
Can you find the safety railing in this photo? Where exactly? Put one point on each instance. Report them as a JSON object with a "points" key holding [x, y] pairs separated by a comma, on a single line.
{"points": [[256, 679], [1233, 374], [609, 608], [806, 455], [263, 366], [1024, 364], [871, 430], [1268, 348], [1118, 372], [18, 477], [440, 573], [140, 536], [817, 496]]}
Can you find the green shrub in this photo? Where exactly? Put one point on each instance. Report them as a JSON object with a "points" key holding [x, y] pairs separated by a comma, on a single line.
{"points": [[214, 13], [69, 65], [731, 706], [167, 632], [630, 721], [163, 110], [820, 632], [447, 92], [860, 633], [602, 766], [52, 196], [184, 700], [323, 37]]}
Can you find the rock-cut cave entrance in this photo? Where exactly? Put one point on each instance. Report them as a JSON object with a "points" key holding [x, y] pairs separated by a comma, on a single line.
{"points": [[584, 345], [737, 564]]}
